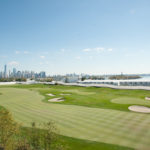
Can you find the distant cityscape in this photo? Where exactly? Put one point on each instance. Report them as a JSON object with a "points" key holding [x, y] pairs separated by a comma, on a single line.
{"points": [[7, 75], [14, 73]]}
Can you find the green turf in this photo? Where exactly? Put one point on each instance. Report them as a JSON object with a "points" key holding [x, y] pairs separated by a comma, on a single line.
{"points": [[89, 96], [96, 124], [70, 143], [131, 100], [78, 144], [94, 97]]}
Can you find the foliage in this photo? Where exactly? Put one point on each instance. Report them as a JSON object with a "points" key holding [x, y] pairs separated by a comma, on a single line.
{"points": [[8, 129], [96, 78], [123, 77], [45, 139], [93, 77], [21, 79], [6, 79], [45, 79], [83, 78], [66, 80], [12, 137], [13, 79]]}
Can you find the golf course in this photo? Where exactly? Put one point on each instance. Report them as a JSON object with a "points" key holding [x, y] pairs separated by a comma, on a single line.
{"points": [[97, 117]]}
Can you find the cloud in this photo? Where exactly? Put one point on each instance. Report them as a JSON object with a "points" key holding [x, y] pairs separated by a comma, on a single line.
{"points": [[97, 49], [62, 50], [17, 52], [87, 50], [13, 63], [42, 57], [44, 63], [41, 63], [22, 52], [91, 57], [78, 57], [110, 49], [26, 52]]}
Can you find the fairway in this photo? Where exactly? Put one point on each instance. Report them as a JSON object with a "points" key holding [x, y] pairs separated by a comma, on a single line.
{"points": [[131, 100], [96, 124]]}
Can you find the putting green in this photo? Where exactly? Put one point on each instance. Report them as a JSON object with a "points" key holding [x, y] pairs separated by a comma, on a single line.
{"points": [[130, 100], [104, 125]]}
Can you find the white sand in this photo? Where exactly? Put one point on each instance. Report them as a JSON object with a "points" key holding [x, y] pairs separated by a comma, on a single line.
{"points": [[147, 98], [50, 94], [141, 109], [65, 94], [56, 100]]}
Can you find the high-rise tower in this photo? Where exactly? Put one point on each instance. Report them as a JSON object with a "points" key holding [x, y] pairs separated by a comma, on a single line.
{"points": [[14, 72], [5, 71]]}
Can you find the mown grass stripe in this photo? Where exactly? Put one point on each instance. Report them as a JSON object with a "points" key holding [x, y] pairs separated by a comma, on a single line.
{"points": [[104, 125]]}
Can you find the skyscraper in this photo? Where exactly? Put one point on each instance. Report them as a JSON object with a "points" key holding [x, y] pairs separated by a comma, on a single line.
{"points": [[14, 72], [5, 71]]}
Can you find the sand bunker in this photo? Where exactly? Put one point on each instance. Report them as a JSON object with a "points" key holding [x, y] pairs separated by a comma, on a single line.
{"points": [[147, 98], [64, 94], [50, 94], [56, 100], [141, 109]]}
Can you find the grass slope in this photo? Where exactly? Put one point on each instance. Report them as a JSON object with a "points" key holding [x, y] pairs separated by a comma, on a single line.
{"points": [[102, 125]]}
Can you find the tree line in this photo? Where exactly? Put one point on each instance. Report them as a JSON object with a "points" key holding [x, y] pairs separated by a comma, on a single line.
{"points": [[13, 79], [123, 77]]}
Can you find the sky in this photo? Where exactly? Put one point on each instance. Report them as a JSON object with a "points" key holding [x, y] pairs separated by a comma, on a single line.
{"points": [[75, 36]]}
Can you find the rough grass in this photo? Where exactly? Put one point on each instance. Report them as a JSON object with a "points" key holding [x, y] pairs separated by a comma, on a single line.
{"points": [[102, 124]]}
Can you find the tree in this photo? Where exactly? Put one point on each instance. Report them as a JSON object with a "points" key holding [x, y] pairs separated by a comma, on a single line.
{"points": [[8, 130], [66, 80], [83, 78], [15, 137]]}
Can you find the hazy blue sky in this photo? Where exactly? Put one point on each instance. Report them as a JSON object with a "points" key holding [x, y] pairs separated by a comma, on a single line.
{"points": [[66, 36]]}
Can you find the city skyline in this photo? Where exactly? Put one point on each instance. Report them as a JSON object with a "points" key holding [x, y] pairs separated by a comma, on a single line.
{"points": [[14, 73], [82, 36]]}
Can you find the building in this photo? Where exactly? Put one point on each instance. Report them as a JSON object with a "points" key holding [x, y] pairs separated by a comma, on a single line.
{"points": [[42, 74], [21, 74], [14, 72], [5, 71], [135, 82]]}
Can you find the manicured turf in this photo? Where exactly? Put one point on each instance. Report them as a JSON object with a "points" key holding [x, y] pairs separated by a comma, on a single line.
{"points": [[94, 97], [96, 124], [131, 100], [78, 144], [89, 96]]}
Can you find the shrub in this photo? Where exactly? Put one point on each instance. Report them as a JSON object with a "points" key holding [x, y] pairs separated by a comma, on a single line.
{"points": [[8, 129], [15, 137]]}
